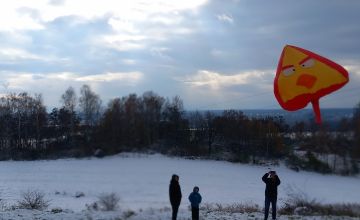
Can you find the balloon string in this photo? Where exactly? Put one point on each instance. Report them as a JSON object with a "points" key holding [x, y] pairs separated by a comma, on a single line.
{"points": [[316, 108]]}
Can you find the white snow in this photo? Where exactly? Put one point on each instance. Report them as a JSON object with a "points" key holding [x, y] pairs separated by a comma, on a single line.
{"points": [[142, 182], [149, 214]]}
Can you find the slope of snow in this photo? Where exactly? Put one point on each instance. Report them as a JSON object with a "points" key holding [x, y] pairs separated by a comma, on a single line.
{"points": [[149, 214], [142, 182]]}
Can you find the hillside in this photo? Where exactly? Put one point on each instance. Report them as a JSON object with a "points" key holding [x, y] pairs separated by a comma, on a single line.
{"points": [[142, 182]]}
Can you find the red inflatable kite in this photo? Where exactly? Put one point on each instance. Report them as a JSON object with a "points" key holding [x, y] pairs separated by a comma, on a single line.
{"points": [[303, 76]]}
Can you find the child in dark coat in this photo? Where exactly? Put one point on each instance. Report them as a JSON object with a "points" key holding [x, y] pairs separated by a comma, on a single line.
{"points": [[195, 199]]}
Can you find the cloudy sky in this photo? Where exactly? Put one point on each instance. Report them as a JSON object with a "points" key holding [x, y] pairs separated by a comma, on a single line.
{"points": [[214, 54]]}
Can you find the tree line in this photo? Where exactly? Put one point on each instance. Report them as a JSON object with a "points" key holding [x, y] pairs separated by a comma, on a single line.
{"points": [[82, 126]]}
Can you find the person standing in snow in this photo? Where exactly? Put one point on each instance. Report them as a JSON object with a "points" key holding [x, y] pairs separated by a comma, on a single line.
{"points": [[195, 199], [272, 182], [175, 195]]}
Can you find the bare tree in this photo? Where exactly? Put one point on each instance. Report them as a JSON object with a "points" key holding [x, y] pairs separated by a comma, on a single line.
{"points": [[210, 130], [152, 105], [90, 104], [356, 125], [175, 126], [69, 99], [39, 114], [6, 123]]}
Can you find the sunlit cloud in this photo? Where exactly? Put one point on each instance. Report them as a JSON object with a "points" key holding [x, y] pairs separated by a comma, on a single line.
{"points": [[215, 80], [160, 52], [107, 77], [129, 61], [168, 19], [215, 90], [225, 18], [163, 34], [26, 80], [125, 46], [122, 25], [217, 53], [16, 37], [135, 10], [56, 2], [211, 48], [15, 54], [52, 85], [15, 15], [124, 42], [353, 69]]}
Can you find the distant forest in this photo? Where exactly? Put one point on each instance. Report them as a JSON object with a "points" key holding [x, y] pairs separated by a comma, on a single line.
{"points": [[82, 127]]}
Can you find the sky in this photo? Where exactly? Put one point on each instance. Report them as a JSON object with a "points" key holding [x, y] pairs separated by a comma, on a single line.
{"points": [[214, 54]]}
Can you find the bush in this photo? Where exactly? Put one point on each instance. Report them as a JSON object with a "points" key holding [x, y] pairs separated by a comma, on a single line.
{"points": [[129, 213], [108, 201], [294, 163], [56, 210], [310, 163], [354, 167], [232, 208], [296, 199], [301, 204], [79, 194], [33, 199], [4, 206], [316, 165]]}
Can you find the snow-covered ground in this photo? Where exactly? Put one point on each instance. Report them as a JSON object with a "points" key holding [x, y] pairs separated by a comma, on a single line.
{"points": [[149, 214], [142, 183]]}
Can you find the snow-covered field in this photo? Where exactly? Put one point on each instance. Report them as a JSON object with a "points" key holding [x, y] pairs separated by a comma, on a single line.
{"points": [[142, 183]]}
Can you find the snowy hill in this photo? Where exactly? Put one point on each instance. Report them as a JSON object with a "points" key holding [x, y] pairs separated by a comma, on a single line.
{"points": [[142, 183]]}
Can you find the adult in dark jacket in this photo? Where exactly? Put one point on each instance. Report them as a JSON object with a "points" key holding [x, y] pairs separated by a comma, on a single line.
{"points": [[175, 195], [272, 182], [195, 199]]}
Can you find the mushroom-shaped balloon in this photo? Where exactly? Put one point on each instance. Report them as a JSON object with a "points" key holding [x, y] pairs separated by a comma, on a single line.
{"points": [[303, 77]]}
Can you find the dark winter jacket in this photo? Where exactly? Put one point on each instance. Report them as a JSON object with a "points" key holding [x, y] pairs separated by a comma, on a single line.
{"points": [[175, 193], [195, 199], [271, 185]]}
